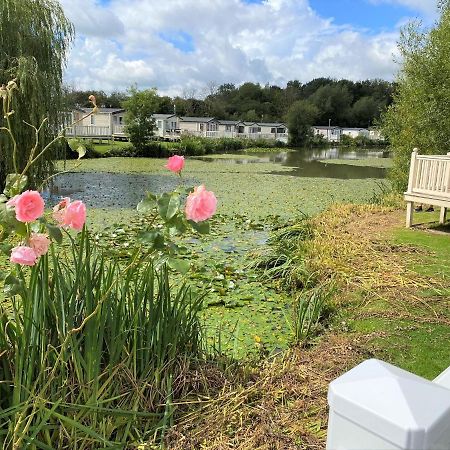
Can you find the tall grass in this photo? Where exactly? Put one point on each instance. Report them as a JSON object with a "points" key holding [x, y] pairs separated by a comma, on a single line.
{"points": [[283, 258], [90, 351]]}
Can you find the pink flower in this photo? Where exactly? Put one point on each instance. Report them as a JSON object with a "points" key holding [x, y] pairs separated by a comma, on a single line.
{"points": [[200, 204], [23, 255], [29, 206], [70, 214], [39, 242], [75, 215], [175, 163], [60, 209], [11, 203]]}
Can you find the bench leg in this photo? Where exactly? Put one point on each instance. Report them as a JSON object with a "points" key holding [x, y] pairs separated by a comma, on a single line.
{"points": [[409, 214], [443, 214]]}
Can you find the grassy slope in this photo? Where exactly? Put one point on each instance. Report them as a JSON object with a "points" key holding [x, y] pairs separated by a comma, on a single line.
{"points": [[392, 304], [417, 338]]}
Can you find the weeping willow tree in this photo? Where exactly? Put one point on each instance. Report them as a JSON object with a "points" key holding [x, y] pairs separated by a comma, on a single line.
{"points": [[35, 36]]}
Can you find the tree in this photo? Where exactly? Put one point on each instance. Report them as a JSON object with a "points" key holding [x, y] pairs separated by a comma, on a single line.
{"points": [[300, 118], [365, 111], [334, 102], [34, 38], [139, 124], [420, 114]]}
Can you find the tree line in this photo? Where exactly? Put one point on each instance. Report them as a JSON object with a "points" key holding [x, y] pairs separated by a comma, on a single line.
{"points": [[341, 102]]}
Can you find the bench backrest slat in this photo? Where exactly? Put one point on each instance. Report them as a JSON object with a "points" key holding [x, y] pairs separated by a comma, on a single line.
{"points": [[429, 174]]}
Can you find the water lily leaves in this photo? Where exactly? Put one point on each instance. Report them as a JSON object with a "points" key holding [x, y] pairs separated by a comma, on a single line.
{"points": [[179, 265], [77, 145], [15, 184]]}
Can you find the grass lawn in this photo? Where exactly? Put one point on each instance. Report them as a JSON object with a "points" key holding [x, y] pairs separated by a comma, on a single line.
{"points": [[106, 146]]}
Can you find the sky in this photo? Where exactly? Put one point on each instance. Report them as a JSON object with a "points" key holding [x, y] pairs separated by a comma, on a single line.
{"points": [[186, 47]]}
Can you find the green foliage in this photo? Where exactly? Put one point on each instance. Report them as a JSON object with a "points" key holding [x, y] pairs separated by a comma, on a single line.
{"points": [[138, 118], [104, 345], [420, 114], [310, 308], [34, 39], [300, 118], [345, 102]]}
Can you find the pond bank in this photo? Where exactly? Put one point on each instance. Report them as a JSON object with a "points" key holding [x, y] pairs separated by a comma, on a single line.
{"points": [[400, 315]]}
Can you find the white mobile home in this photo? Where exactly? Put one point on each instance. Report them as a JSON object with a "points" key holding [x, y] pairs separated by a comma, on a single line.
{"points": [[199, 126], [331, 134], [355, 132], [105, 123], [167, 126]]}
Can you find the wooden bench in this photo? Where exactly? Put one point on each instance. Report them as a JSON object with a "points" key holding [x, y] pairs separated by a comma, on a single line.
{"points": [[429, 183]]}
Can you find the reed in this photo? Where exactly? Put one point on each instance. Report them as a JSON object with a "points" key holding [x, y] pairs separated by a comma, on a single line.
{"points": [[91, 351]]}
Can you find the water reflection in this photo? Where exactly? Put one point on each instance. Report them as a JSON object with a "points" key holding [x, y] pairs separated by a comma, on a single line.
{"points": [[308, 162]]}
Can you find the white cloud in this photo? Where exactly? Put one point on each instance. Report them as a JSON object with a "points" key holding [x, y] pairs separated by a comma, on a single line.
{"points": [[275, 41]]}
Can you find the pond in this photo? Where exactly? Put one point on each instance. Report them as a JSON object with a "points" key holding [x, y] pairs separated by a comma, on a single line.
{"points": [[253, 189], [122, 182]]}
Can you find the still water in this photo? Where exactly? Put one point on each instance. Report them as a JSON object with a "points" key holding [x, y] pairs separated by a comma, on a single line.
{"points": [[120, 190], [312, 162]]}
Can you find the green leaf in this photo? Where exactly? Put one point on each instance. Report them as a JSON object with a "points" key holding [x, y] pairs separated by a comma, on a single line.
{"points": [[200, 227], [54, 232], [179, 265], [9, 222], [78, 146], [179, 223], [15, 184], [153, 238], [13, 286], [6, 248], [168, 205], [147, 204]]}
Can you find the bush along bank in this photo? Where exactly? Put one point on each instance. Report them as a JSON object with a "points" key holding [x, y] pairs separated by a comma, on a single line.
{"points": [[189, 146]]}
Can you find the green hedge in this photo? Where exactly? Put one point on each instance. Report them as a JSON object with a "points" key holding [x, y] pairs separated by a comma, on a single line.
{"points": [[190, 146]]}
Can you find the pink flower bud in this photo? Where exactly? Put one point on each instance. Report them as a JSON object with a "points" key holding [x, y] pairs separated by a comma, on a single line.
{"points": [[175, 163], [39, 242]]}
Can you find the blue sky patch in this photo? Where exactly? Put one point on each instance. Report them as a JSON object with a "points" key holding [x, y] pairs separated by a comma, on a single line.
{"points": [[179, 39], [363, 13]]}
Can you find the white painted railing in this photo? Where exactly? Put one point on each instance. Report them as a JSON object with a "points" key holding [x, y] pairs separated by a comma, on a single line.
{"points": [[88, 131], [431, 175], [234, 134], [377, 406], [118, 129], [429, 183]]}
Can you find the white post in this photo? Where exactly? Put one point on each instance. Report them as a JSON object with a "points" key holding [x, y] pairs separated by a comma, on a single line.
{"points": [[379, 406], [411, 180]]}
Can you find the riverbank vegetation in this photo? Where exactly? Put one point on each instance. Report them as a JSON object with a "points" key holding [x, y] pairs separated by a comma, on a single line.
{"points": [[391, 290]]}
